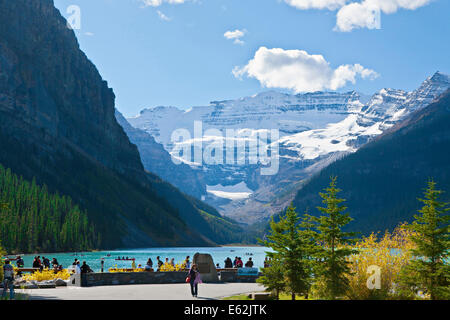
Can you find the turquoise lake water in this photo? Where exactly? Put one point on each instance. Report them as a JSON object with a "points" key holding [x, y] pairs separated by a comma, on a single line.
{"points": [[93, 259]]}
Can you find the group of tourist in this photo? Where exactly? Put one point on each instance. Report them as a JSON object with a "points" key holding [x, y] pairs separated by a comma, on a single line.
{"points": [[84, 268], [267, 262], [159, 263], [238, 263], [45, 263], [193, 276], [41, 264], [171, 262]]}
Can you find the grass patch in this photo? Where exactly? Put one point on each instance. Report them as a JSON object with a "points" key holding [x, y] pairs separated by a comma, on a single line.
{"points": [[244, 297], [238, 297], [17, 296]]}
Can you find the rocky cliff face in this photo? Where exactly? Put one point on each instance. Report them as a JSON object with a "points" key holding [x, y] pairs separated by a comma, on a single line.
{"points": [[48, 83], [58, 125]]}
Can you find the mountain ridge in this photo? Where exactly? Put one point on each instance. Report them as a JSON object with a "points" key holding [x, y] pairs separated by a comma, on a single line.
{"points": [[315, 128]]}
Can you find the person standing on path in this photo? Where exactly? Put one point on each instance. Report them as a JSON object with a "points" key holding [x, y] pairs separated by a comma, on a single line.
{"points": [[194, 280], [8, 280]]}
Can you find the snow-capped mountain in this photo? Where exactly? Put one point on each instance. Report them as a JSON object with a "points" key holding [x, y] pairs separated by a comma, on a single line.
{"points": [[313, 130], [381, 112], [268, 110]]}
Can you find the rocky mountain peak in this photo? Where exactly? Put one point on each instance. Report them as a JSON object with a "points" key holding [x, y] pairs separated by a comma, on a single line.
{"points": [[440, 77]]}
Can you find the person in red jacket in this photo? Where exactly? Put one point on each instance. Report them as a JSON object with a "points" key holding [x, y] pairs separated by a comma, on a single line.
{"points": [[239, 263]]}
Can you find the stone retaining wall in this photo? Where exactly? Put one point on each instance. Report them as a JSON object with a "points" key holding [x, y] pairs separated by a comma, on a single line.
{"points": [[128, 278], [230, 276]]}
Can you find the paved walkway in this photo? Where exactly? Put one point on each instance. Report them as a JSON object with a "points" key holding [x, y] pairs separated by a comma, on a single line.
{"points": [[143, 292]]}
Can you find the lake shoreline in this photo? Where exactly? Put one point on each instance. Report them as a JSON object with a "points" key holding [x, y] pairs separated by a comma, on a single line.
{"points": [[241, 245], [131, 249]]}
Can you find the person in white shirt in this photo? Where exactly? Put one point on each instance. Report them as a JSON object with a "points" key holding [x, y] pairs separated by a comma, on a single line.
{"points": [[77, 268]]}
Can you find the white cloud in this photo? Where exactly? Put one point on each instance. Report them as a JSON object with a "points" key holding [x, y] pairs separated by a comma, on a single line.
{"points": [[299, 71], [354, 14], [357, 15], [162, 16], [235, 35], [347, 73], [157, 3], [366, 14], [316, 4], [89, 34], [391, 6]]}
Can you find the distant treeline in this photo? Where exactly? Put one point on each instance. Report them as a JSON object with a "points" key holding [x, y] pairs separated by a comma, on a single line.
{"points": [[32, 219]]}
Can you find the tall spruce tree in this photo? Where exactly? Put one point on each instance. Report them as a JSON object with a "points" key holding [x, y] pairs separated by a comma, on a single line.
{"points": [[429, 271], [291, 249], [273, 278], [332, 267]]}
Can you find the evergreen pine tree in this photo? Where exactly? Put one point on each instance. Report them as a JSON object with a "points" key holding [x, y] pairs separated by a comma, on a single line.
{"points": [[332, 267], [32, 219], [273, 278], [291, 252], [429, 272]]}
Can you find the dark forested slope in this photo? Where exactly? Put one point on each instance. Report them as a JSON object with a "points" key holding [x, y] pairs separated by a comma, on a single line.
{"points": [[383, 179]]}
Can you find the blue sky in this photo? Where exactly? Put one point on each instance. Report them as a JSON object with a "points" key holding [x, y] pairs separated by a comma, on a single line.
{"points": [[177, 54]]}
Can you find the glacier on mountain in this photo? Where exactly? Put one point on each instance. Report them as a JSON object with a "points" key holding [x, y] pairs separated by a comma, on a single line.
{"points": [[314, 129]]}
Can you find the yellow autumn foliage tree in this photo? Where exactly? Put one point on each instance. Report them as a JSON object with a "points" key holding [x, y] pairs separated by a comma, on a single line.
{"points": [[116, 270], [167, 267], [46, 274], [386, 255]]}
